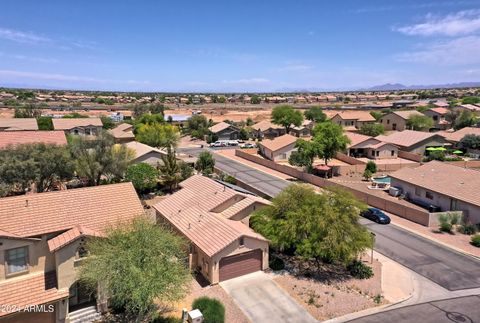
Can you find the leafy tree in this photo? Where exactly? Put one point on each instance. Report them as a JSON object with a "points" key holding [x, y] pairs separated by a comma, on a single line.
{"points": [[185, 170], [436, 155], [137, 264], [305, 154], [221, 99], [149, 119], [471, 100], [158, 135], [212, 309], [330, 139], [28, 111], [372, 129], [100, 157], [371, 166], [39, 164], [376, 114], [471, 141], [323, 227], [465, 119], [143, 176], [205, 163], [420, 123], [249, 122], [170, 172], [255, 99], [367, 174], [197, 126], [244, 134], [107, 122], [286, 116], [45, 123], [315, 114], [74, 115]]}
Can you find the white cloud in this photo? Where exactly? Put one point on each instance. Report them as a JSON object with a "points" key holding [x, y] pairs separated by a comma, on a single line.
{"points": [[22, 37], [459, 51], [250, 81], [295, 68], [460, 23], [29, 58]]}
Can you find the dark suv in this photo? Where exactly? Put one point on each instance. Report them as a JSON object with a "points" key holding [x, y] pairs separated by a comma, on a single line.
{"points": [[376, 215]]}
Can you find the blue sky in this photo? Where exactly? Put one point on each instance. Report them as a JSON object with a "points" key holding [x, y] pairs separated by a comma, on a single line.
{"points": [[243, 45]]}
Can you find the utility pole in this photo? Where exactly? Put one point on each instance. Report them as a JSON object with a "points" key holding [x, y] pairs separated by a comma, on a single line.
{"points": [[373, 237]]}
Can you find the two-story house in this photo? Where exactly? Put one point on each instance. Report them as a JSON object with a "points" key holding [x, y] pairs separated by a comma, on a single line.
{"points": [[79, 126]]}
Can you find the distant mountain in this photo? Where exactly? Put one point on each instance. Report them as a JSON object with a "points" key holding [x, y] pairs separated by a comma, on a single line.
{"points": [[398, 86]]}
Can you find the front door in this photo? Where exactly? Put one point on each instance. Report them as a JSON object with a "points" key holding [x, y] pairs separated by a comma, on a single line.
{"points": [[80, 295]]}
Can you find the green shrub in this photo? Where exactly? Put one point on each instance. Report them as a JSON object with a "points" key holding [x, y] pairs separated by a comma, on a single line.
{"points": [[167, 319], [367, 174], [447, 221], [276, 263], [371, 166], [213, 310], [476, 240], [359, 270], [467, 229], [445, 227]]}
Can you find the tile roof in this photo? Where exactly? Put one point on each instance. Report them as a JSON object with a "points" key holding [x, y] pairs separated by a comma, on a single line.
{"points": [[220, 127], [278, 142], [200, 210], [14, 124], [142, 149], [407, 114], [457, 182], [440, 111], [470, 107], [406, 138], [36, 289], [355, 115], [71, 235], [456, 136], [356, 138], [122, 131], [30, 137], [70, 123], [265, 125], [94, 207]]}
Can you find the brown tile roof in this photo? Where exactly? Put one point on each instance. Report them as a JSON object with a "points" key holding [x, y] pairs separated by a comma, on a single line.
{"points": [[36, 289], [15, 124], [93, 207], [220, 127], [199, 211], [441, 111], [407, 114], [30, 137], [406, 138], [470, 107], [355, 115], [142, 149], [356, 138], [265, 125], [459, 183], [71, 235], [122, 131], [278, 142], [70, 123], [456, 136]]}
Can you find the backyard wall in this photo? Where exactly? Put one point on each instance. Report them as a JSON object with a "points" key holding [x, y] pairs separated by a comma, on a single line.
{"points": [[410, 156]]}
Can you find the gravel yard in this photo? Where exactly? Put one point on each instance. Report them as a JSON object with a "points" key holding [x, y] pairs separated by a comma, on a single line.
{"points": [[326, 299]]}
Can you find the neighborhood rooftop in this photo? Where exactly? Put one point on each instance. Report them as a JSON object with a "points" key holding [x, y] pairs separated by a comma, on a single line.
{"points": [[13, 124], [265, 125], [70, 123], [278, 142], [406, 138], [458, 135], [219, 127], [355, 115], [30, 137], [407, 114]]}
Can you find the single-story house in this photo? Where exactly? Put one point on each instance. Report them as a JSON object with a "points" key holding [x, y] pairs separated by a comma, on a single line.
{"points": [[267, 129], [122, 133], [145, 153], [304, 130], [369, 147], [42, 242], [438, 116], [14, 138], [456, 136], [413, 141], [225, 131], [449, 187], [215, 221], [279, 148], [79, 126], [397, 120], [18, 124], [353, 119], [469, 107]]}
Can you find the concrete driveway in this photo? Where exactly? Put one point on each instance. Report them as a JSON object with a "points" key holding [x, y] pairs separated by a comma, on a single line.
{"points": [[262, 300]]}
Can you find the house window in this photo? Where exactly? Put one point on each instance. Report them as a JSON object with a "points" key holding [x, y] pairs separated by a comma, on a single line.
{"points": [[388, 121], [428, 195], [453, 205], [392, 153], [373, 152], [16, 260], [378, 153], [241, 242]]}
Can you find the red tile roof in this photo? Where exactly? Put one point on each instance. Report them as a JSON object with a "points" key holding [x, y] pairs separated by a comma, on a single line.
{"points": [[15, 124], [278, 142], [93, 207], [441, 111], [355, 115], [265, 125], [36, 289], [406, 138], [458, 135], [407, 114], [70, 123], [122, 131], [29, 137], [70, 236], [220, 127], [356, 138]]}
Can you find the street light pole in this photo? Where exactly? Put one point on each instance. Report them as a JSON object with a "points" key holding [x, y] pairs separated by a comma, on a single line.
{"points": [[373, 244]]}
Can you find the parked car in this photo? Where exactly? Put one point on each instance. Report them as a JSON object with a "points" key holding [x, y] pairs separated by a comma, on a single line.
{"points": [[248, 145], [232, 143], [218, 144], [376, 215]]}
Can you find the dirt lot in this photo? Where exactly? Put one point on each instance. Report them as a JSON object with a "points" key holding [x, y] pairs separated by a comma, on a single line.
{"points": [[326, 299]]}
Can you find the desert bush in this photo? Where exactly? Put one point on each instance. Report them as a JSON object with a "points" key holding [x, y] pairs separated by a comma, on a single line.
{"points": [[467, 229], [213, 310], [359, 270], [475, 241], [276, 263]]}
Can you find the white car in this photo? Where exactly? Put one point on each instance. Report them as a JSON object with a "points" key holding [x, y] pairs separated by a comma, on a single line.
{"points": [[248, 145]]}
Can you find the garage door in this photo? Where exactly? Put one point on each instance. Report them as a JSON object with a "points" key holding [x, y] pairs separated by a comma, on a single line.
{"points": [[241, 264]]}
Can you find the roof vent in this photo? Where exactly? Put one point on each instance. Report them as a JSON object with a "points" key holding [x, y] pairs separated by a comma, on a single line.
{"points": [[189, 225], [26, 203]]}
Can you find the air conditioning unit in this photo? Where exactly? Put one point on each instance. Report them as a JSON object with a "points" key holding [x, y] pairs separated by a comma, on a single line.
{"points": [[195, 316], [394, 191]]}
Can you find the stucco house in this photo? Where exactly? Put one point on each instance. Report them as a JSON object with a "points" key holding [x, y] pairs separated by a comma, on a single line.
{"points": [[18, 124], [79, 126], [304, 130], [279, 148], [225, 131], [145, 153], [397, 120], [214, 219], [353, 119], [438, 116], [122, 133], [42, 243], [449, 187], [414, 141], [362, 146], [267, 129]]}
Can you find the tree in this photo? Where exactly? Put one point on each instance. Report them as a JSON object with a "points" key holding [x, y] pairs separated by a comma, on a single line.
{"points": [[30, 110], [45, 123], [249, 122], [323, 227], [471, 141], [40, 164], [255, 99], [137, 264], [244, 134], [371, 166], [420, 123], [330, 139], [149, 119], [107, 122], [315, 114], [74, 115], [143, 176], [471, 100], [205, 163], [286, 116], [367, 174], [170, 172], [376, 114], [197, 126], [465, 119], [158, 135], [185, 170], [100, 157], [305, 154], [372, 129]]}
